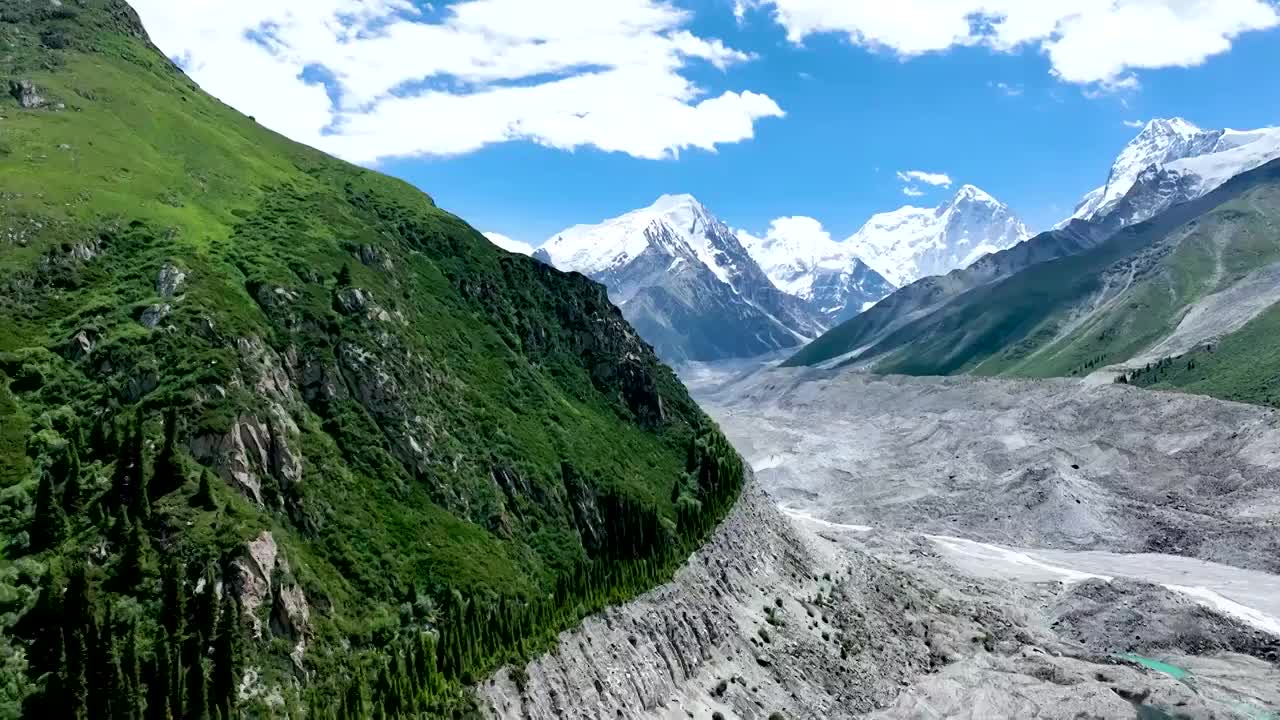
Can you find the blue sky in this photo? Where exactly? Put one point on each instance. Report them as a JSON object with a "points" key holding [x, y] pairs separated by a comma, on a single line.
{"points": [[818, 103]]}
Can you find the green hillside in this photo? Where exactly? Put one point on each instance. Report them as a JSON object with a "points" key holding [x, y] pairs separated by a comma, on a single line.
{"points": [[1218, 250], [274, 422], [1244, 366]]}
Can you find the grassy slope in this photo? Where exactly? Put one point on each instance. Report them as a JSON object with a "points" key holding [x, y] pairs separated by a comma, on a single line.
{"points": [[501, 364], [1007, 327], [1240, 234], [1244, 366]]}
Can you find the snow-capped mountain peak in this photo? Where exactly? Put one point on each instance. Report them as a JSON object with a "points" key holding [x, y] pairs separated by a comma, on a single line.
{"points": [[802, 259], [677, 225], [685, 280], [972, 194], [1173, 160], [909, 243]]}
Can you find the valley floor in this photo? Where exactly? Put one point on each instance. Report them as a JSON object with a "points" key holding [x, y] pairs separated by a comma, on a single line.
{"points": [[975, 548]]}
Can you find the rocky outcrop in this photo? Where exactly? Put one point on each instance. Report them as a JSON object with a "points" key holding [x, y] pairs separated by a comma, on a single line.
{"points": [[374, 257], [355, 301], [80, 345], [239, 456], [170, 280], [27, 95], [270, 599], [153, 315], [375, 385], [261, 444]]}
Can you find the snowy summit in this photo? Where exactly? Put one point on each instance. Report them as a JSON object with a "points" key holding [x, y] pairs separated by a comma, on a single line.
{"points": [[911, 243], [1173, 160]]}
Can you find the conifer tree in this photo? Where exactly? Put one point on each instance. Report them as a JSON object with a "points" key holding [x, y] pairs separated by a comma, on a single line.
{"points": [[132, 567], [204, 494], [168, 476], [71, 489], [197, 706], [174, 609], [131, 672], [159, 690], [49, 526], [226, 656], [77, 680], [43, 624]]}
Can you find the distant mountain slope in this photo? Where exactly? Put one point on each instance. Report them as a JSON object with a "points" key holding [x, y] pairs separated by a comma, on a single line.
{"points": [[807, 263], [683, 278], [1105, 304], [912, 243], [1173, 161], [278, 436], [859, 338]]}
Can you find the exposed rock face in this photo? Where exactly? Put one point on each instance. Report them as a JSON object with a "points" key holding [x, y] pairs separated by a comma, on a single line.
{"points": [[154, 315], [375, 258], [238, 456], [356, 301], [27, 95], [253, 577], [263, 580], [80, 345], [170, 280], [374, 383], [261, 445]]}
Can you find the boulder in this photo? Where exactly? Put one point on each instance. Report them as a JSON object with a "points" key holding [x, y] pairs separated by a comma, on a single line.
{"points": [[81, 345], [27, 95], [154, 315], [170, 280]]}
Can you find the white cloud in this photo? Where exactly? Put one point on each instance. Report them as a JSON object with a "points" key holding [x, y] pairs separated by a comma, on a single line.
{"points": [[398, 82], [912, 191], [1086, 41], [509, 244], [1007, 89], [1135, 124], [928, 178]]}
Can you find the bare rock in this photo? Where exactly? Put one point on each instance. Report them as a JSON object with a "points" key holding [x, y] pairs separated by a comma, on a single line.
{"points": [[170, 280], [154, 315], [81, 345], [237, 456], [140, 384], [262, 579], [375, 258], [357, 301], [376, 387], [27, 95], [291, 618], [253, 572]]}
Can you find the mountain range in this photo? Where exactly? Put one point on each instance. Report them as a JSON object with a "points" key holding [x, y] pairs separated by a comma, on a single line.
{"points": [[802, 260], [1170, 276], [685, 281], [698, 290], [1173, 161]]}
